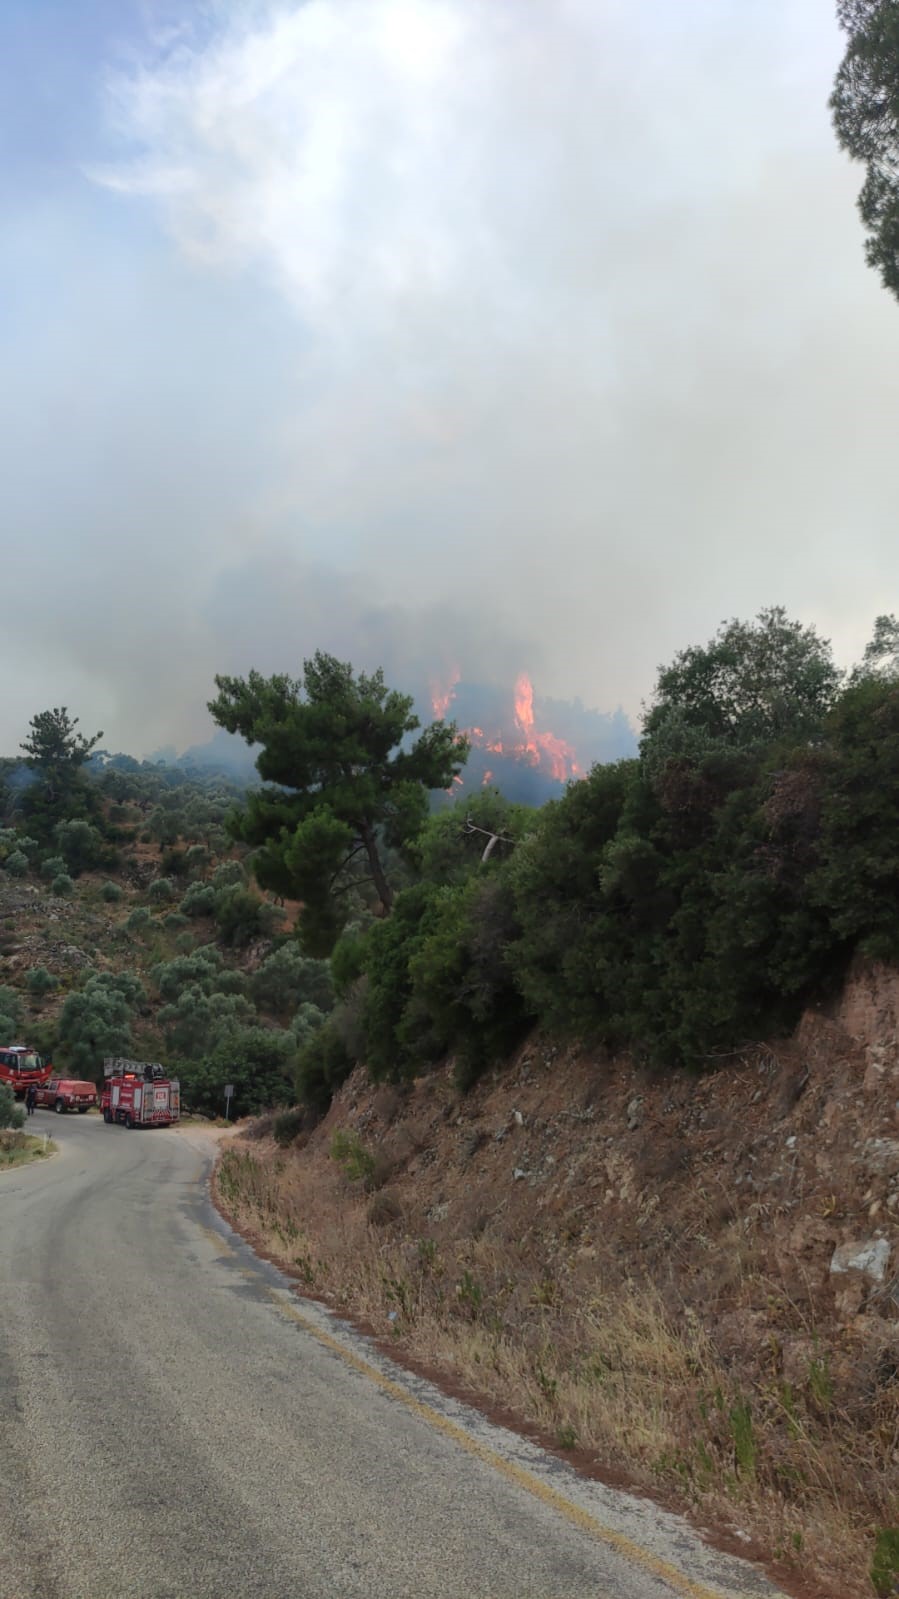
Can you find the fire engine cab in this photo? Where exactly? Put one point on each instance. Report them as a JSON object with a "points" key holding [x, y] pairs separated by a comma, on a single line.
{"points": [[20, 1067], [138, 1093]]}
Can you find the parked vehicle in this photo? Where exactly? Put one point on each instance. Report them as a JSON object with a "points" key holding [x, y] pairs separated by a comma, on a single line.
{"points": [[138, 1093], [66, 1093], [21, 1066]]}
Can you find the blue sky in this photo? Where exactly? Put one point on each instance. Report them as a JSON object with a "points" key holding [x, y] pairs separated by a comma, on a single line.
{"points": [[432, 332]]}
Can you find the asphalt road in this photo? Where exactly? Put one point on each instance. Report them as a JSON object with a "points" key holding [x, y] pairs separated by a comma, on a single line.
{"points": [[176, 1423]]}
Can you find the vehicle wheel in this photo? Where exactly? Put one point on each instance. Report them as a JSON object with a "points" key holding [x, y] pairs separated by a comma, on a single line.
{"points": [[60, 1107], [82, 1110], [129, 1120], [107, 1115]]}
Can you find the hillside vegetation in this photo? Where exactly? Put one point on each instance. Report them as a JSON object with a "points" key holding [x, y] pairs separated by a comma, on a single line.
{"points": [[697, 1274], [129, 924], [679, 906]]}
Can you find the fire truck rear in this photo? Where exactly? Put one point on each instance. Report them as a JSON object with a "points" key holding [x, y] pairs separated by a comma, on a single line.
{"points": [[138, 1093]]}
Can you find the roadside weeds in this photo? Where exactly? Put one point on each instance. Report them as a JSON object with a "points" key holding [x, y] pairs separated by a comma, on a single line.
{"points": [[621, 1378], [21, 1148]]}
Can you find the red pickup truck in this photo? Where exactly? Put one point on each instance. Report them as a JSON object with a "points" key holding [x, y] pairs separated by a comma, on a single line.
{"points": [[66, 1093]]}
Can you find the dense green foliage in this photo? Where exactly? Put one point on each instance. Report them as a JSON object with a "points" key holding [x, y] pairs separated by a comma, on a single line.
{"points": [[865, 105], [57, 754], [342, 782], [97, 1020], [194, 1007], [680, 905], [257, 1061]]}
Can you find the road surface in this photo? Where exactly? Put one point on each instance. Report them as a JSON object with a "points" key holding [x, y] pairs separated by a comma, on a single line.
{"points": [[176, 1423]]}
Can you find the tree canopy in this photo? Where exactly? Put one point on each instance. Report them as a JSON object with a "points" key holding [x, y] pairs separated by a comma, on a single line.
{"points": [[55, 749], [344, 778], [752, 683], [58, 755], [865, 106], [881, 657]]}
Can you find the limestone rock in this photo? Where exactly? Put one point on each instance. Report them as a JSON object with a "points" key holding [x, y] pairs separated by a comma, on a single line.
{"points": [[870, 1258]]}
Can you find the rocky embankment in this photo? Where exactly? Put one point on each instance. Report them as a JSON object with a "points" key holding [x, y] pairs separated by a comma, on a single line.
{"points": [[690, 1282]]}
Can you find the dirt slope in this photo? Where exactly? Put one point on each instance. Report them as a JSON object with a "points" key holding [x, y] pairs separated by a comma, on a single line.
{"points": [[692, 1282]]}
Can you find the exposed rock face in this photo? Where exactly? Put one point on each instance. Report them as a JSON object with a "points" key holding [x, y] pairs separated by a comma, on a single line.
{"points": [[634, 1115], [870, 1258]]}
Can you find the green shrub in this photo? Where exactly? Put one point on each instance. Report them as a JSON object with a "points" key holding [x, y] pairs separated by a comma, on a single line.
{"points": [[885, 1565], [9, 842], [16, 863], [10, 1007], [7, 1105], [199, 900], [161, 891], [288, 979], [203, 969], [111, 892], [139, 918], [306, 1021], [241, 917], [356, 1162], [174, 863], [39, 982], [96, 1021], [323, 1064], [196, 1021], [52, 866], [257, 1061], [62, 885], [197, 858], [80, 844], [229, 875]]}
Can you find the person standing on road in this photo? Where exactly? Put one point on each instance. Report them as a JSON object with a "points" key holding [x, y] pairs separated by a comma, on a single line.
{"points": [[30, 1098]]}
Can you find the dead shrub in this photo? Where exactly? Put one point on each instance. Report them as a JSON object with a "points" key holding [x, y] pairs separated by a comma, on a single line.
{"points": [[387, 1104], [261, 1127], [380, 1172], [384, 1209]]}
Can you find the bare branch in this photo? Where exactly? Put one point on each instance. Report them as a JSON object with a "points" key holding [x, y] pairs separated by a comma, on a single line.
{"points": [[493, 838]]}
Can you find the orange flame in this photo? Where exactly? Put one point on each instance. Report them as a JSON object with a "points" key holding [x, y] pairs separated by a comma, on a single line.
{"points": [[443, 694], [524, 706], [558, 755], [519, 740]]}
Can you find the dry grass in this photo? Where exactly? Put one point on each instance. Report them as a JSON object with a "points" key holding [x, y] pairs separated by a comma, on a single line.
{"points": [[626, 1373], [19, 1148]]}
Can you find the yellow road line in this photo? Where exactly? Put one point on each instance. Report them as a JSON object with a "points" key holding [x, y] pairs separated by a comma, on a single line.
{"points": [[582, 1519], [220, 1245]]}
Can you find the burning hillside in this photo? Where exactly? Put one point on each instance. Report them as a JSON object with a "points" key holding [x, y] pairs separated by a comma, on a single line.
{"points": [[512, 746]]}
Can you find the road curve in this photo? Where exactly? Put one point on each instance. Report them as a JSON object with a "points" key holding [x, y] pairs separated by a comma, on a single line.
{"points": [[176, 1423]]}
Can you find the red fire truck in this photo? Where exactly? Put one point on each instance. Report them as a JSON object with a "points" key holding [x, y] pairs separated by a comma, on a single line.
{"points": [[138, 1093], [20, 1067]]}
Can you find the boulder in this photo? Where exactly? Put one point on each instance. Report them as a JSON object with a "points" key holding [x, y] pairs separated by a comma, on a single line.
{"points": [[870, 1258]]}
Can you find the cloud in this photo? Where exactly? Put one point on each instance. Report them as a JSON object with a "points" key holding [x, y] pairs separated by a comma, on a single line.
{"points": [[575, 351]]}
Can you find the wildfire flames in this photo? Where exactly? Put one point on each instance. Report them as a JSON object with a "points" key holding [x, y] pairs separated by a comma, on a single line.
{"points": [[442, 695], [519, 738]]}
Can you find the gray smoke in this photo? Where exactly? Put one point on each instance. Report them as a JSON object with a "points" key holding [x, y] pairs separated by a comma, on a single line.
{"points": [[439, 332]]}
